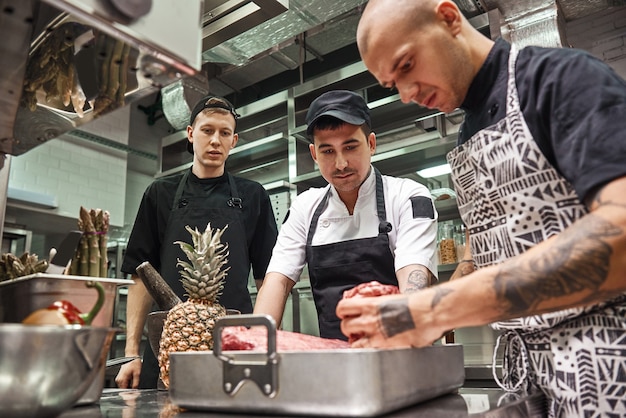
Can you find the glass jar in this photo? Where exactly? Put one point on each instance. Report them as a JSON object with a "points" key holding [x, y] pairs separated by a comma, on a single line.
{"points": [[447, 246], [459, 238]]}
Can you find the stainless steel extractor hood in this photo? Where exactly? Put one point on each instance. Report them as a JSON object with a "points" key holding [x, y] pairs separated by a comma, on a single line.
{"points": [[224, 19], [67, 62]]}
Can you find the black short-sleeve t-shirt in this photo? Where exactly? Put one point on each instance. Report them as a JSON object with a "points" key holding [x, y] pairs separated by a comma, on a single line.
{"points": [[573, 103], [150, 224]]}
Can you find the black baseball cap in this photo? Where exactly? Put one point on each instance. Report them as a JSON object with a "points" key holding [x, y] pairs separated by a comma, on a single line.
{"points": [[211, 102], [344, 105]]}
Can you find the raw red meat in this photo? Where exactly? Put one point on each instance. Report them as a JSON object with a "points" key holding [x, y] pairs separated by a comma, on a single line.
{"points": [[255, 338], [368, 289], [372, 288]]}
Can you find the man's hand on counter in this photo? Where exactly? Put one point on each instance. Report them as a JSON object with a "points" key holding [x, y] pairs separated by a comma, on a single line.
{"points": [[128, 376]]}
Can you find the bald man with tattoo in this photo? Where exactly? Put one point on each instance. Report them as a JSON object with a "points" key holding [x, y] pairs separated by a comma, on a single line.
{"points": [[540, 176]]}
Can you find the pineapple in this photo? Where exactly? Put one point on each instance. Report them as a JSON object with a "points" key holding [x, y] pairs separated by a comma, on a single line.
{"points": [[189, 325]]}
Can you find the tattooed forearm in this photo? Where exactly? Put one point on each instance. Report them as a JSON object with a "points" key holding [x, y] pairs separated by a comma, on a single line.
{"points": [[464, 268], [418, 280], [597, 199], [440, 293], [395, 317], [577, 260]]}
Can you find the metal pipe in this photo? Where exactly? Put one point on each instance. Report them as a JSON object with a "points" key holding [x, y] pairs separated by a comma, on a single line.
{"points": [[4, 185]]}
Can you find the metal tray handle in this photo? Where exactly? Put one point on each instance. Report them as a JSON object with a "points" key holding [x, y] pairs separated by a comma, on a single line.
{"points": [[239, 366]]}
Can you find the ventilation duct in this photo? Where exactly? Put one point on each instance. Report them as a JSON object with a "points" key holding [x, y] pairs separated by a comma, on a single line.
{"points": [[223, 20], [539, 22], [301, 16], [541, 26], [179, 98], [576, 9]]}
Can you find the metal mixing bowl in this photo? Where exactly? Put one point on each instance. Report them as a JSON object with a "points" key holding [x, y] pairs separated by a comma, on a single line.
{"points": [[45, 369], [155, 323]]}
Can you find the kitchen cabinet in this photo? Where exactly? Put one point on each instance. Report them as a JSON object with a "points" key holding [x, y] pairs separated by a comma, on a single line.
{"points": [[300, 314], [115, 254]]}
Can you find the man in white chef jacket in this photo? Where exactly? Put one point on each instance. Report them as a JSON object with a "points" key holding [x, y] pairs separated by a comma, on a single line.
{"points": [[362, 227]]}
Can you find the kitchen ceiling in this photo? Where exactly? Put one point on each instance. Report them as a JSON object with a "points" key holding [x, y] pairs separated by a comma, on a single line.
{"points": [[313, 37], [317, 36]]}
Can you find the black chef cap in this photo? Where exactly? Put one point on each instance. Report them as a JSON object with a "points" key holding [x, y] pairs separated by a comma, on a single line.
{"points": [[342, 104]]}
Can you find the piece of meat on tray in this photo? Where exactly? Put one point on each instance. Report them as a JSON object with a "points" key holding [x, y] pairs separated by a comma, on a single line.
{"points": [[255, 338]]}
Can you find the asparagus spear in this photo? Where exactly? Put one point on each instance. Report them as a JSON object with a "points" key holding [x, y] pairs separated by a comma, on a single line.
{"points": [[103, 240], [93, 255]]}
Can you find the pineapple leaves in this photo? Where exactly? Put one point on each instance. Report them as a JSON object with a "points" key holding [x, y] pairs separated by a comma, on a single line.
{"points": [[203, 276]]}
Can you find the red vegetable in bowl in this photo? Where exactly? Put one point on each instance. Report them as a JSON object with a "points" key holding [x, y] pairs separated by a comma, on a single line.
{"points": [[63, 312]]}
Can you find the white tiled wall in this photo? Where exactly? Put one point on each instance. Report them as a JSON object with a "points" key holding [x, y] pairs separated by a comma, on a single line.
{"points": [[114, 126], [136, 184], [77, 174]]}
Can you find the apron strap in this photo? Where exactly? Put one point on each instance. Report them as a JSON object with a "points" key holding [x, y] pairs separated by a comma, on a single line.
{"points": [[514, 352], [178, 202], [316, 215], [234, 201], [384, 227]]}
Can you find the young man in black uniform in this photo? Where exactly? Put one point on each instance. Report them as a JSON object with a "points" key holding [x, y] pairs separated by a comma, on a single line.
{"points": [[205, 193]]}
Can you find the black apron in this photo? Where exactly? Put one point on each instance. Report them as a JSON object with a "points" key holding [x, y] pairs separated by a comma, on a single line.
{"points": [[195, 212], [336, 267]]}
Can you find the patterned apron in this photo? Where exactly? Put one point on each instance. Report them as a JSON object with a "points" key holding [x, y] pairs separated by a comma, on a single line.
{"points": [[511, 198]]}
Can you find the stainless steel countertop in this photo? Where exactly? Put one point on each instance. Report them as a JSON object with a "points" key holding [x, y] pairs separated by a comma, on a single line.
{"points": [[466, 402]]}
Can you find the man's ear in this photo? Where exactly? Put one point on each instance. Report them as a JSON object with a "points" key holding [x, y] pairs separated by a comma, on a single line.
{"points": [[371, 141], [313, 152], [235, 139], [449, 13], [190, 134]]}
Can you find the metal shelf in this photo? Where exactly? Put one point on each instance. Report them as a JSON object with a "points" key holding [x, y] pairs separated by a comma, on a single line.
{"points": [[447, 209], [273, 148]]}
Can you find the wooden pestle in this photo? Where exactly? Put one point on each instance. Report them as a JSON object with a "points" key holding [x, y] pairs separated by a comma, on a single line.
{"points": [[158, 288]]}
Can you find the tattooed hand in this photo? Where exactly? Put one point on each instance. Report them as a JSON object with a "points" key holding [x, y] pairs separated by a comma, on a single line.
{"points": [[386, 321]]}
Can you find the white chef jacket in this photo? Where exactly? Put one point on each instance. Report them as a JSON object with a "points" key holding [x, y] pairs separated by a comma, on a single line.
{"points": [[412, 240]]}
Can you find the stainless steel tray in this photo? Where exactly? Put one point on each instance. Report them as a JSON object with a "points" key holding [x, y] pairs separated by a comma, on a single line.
{"points": [[341, 382]]}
